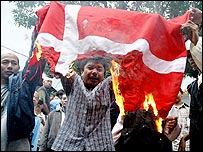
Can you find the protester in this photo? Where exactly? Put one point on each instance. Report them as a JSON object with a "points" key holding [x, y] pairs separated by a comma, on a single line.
{"points": [[53, 123], [181, 111], [39, 122], [9, 65], [87, 126], [52, 95], [44, 95], [17, 109], [195, 89], [55, 103]]}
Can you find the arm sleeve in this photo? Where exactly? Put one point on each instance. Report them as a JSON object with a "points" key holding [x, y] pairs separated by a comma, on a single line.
{"points": [[67, 83], [116, 131], [196, 52], [174, 134], [45, 134]]}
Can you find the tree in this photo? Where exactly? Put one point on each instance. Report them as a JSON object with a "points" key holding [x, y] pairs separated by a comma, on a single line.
{"points": [[24, 13]]}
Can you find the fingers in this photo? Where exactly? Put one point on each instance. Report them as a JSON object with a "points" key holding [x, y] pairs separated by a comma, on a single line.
{"points": [[190, 24], [171, 122]]}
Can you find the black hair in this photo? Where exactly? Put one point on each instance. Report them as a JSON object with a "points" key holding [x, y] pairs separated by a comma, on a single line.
{"points": [[60, 93], [98, 59]]}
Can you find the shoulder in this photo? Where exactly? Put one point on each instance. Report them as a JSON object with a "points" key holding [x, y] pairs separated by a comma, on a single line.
{"points": [[186, 105], [42, 88]]}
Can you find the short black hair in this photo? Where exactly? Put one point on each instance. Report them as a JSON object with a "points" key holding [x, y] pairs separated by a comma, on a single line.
{"points": [[98, 59], [60, 93]]}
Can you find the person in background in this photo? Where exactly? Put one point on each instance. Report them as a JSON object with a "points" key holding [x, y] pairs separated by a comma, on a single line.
{"points": [[195, 88], [52, 125], [9, 65], [44, 95], [55, 103], [52, 95], [181, 111], [39, 122]]}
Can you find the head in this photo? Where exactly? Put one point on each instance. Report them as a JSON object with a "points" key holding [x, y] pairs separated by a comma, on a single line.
{"points": [[64, 100], [60, 93], [35, 98], [93, 71], [47, 83], [9, 65], [52, 95], [179, 96], [38, 104]]}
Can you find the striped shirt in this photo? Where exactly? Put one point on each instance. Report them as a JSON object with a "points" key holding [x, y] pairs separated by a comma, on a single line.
{"points": [[183, 120], [4, 100], [87, 125]]}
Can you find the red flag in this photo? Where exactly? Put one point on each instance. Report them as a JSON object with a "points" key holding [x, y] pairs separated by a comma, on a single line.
{"points": [[151, 49]]}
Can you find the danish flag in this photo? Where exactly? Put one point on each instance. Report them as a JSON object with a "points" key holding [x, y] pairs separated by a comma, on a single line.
{"points": [[150, 48]]}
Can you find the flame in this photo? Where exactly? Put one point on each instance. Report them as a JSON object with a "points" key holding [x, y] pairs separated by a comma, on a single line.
{"points": [[39, 52], [119, 98], [149, 100], [71, 71]]}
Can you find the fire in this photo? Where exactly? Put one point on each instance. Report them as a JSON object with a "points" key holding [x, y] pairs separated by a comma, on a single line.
{"points": [[71, 71], [39, 52], [149, 100], [119, 98]]}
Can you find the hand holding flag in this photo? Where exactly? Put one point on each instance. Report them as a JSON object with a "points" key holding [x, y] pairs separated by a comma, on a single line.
{"points": [[150, 49]]}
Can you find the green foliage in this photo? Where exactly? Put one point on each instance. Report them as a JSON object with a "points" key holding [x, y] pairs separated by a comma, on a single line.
{"points": [[24, 14]]}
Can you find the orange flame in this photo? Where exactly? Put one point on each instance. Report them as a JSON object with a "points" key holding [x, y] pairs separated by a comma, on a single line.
{"points": [[119, 98], [149, 100], [71, 71], [39, 52]]}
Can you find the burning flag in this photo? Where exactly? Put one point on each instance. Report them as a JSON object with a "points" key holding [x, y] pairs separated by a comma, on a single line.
{"points": [[149, 49]]}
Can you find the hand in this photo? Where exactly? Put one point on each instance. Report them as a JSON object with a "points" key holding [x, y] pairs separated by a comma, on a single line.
{"points": [[171, 123], [42, 120], [196, 15], [191, 30], [182, 143]]}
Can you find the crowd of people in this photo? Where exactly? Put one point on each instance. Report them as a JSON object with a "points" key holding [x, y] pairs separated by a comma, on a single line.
{"points": [[84, 116]]}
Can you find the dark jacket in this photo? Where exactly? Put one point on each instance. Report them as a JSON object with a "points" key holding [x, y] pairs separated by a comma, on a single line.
{"points": [[196, 115], [20, 112]]}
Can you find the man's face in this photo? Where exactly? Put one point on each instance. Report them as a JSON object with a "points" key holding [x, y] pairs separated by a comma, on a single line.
{"points": [[93, 74], [47, 83], [35, 98], [9, 65], [64, 100]]}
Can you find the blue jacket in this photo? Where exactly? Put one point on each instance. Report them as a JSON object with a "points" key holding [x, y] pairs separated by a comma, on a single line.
{"points": [[20, 112]]}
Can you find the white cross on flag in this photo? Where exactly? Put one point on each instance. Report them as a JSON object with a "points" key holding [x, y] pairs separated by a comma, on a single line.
{"points": [[151, 49]]}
